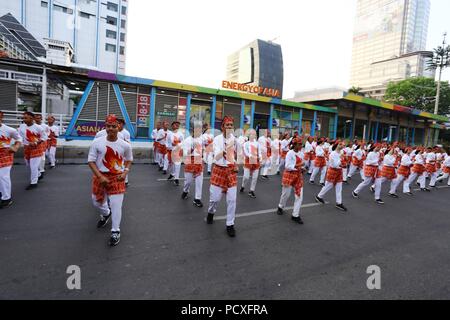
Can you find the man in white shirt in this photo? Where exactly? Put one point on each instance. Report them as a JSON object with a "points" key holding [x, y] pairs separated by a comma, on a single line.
{"points": [[334, 176], [265, 147], [252, 162], [174, 153], [193, 147], [53, 134], [110, 160], [208, 152], [417, 171], [293, 179], [156, 147], [34, 141], [445, 170], [403, 173], [10, 142], [224, 175], [38, 121], [161, 138], [320, 164], [430, 166], [370, 169]]}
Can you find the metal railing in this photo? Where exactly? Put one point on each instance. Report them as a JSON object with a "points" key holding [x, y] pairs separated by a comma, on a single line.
{"points": [[14, 119]]}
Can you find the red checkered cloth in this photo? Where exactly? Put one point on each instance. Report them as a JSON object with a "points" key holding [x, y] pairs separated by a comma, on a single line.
{"points": [[320, 162], [344, 161], [162, 149], [224, 177], [388, 172], [157, 146], [334, 175], [251, 166], [430, 167], [33, 152], [446, 170], [294, 178], [113, 187], [51, 142], [370, 171], [356, 162], [195, 166], [418, 168], [327, 154], [6, 157], [404, 171], [269, 149]]}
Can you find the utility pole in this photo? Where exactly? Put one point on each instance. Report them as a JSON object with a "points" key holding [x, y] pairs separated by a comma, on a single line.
{"points": [[441, 60]]}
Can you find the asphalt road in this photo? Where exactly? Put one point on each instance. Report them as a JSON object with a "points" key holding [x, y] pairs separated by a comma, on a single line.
{"points": [[167, 251]]}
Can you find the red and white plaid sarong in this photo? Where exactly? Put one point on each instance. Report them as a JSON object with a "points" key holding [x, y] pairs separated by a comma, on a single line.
{"points": [[6, 158], [430, 167], [251, 166], [334, 175], [418, 168], [370, 171], [33, 152], [224, 177], [320, 162], [388, 172], [113, 187], [294, 178], [404, 171], [195, 166]]}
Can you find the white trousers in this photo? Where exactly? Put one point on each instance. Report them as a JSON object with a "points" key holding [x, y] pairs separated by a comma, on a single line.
{"points": [[34, 163], [115, 202], [328, 187], [51, 154], [281, 164], [378, 183], [322, 171], [198, 184], [215, 195], [247, 174], [395, 183], [352, 170], [5, 182], [344, 174], [445, 176], [366, 182], [433, 179], [285, 194], [42, 164], [208, 158], [159, 158], [412, 177], [311, 166], [266, 167], [166, 163]]}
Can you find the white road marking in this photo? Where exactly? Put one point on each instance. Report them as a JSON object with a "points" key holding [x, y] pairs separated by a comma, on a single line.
{"points": [[254, 213], [206, 178]]}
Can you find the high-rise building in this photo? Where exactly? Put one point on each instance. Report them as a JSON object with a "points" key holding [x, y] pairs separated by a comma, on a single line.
{"points": [[260, 63], [96, 30], [389, 43]]}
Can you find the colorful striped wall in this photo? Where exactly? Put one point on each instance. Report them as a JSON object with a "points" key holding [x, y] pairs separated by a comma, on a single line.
{"points": [[395, 107], [225, 93]]}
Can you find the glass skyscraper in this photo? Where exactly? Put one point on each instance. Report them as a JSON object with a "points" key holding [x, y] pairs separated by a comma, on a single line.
{"points": [[389, 43], [259, 63], [96, 29]]}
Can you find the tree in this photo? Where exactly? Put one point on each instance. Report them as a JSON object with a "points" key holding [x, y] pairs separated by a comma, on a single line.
{"points": [[419, 93], [356, 90]]}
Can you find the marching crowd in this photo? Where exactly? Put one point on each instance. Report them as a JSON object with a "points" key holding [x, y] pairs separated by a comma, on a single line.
{"points": [[331, 162]]}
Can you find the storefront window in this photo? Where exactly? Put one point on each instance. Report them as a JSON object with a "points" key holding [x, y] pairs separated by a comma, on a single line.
{"points": [[232, 107], [200, 112]]}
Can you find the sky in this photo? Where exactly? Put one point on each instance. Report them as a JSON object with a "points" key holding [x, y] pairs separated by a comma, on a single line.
{"points": [[189, 41]]}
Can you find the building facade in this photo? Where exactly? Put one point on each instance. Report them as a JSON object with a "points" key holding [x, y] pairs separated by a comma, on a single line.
{"points": [[389, 43], [260, 63], [95, 29]]}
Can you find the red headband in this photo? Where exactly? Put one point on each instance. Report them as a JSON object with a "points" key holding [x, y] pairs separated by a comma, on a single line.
{"points": [[111, 118], [227, 119]]}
